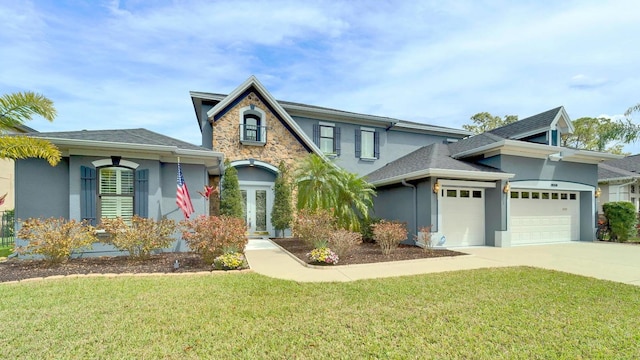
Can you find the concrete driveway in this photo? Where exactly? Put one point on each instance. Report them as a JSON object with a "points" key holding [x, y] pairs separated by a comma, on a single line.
{"points": [[608, 261]]}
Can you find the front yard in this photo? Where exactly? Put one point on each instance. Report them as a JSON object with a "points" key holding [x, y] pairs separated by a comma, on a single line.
{"points": [[479, 314]]}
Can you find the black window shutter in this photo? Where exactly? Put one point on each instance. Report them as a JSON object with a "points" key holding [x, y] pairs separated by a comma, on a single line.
{"points": [[88, 195], [376, 145], [141, 194], [316, 134], [358, 137], [336, 140]]}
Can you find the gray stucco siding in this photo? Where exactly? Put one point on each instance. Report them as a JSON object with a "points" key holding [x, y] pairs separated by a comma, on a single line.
{"points": [[393, 144], [41, 190], [542, 169], [395, 203]]}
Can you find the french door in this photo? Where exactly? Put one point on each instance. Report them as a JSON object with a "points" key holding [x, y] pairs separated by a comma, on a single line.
{"points": [[257, 201]]}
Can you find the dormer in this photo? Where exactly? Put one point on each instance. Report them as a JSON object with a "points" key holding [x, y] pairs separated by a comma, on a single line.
{"points": [[545, 128]]}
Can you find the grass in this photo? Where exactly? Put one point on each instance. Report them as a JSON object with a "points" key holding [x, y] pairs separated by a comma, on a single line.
{"points": [[514, 313]]}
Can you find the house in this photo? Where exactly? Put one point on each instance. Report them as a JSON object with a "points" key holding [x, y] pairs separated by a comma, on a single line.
{"points": [[512, 185], [255, 132], [618, 180], [108, 173]]}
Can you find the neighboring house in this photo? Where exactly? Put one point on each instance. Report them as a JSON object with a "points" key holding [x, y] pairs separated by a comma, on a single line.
{"points": [[7, 174], [619, 180], [108, 173]]}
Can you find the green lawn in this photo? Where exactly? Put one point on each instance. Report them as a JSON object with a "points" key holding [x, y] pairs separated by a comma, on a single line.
{"points": [[481, 314]]}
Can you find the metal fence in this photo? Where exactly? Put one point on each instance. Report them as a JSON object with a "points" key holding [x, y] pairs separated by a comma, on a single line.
{"points": [[7, 228]]}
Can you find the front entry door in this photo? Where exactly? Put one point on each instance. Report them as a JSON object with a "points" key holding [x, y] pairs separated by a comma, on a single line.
{"points": [[257, 206]]}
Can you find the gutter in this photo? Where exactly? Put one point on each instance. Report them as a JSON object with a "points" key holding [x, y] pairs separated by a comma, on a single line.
{"points": [[415, 206]]}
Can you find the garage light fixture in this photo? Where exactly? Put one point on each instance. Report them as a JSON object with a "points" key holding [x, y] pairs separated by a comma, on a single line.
{"points": [[598, 193], [506, 188], [436, 187]]}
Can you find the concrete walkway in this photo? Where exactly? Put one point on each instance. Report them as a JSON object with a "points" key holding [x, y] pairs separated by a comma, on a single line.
{"points": [[615, 262]]}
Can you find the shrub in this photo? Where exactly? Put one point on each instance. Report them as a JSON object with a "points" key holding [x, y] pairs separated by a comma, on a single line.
{"points": [[230, 261], [342, 242], [211, 236], [314, 227], [55, 239], [282, 213], [622, 219], [323, 255], [424, 238], [231, 196], [141, 237], [366, 230], [388, 234]]}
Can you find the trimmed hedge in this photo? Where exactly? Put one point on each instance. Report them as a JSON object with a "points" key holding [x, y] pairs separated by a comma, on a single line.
{"points": [[622, 219]]}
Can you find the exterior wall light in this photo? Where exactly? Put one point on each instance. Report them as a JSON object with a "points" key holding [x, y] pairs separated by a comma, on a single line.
{"points": [[506, 188], [598, 193], [436, 187]]}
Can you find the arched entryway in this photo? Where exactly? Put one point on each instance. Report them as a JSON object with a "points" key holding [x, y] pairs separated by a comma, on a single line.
{"points": [[256, 180]]}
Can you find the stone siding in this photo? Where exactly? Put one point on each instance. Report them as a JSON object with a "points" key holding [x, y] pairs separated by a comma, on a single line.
{"points": [[281, 145]]}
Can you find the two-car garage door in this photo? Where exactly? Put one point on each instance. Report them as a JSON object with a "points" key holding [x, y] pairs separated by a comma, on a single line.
{"points": [[544, 216]]}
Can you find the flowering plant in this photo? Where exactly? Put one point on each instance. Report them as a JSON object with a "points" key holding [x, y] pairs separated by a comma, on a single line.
{"points": [[323, 255], [229, 261]]}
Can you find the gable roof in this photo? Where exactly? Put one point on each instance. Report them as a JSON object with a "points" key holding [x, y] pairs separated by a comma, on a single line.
{"points": [[252, 81], [534, 124], [432, 160], [329, 114], [135, 142]]}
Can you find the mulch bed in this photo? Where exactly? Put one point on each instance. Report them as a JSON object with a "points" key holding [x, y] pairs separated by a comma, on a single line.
{"points": [[366, 252], [15, 269]]}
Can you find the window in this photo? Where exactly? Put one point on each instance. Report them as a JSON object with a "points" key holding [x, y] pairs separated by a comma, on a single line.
{"points": [[572, 196], [112, 188], [563, 196], [477, 194], [327, 137], [545, 196], [451, 193], [253, 129], [514, 194], [525, 194], [554, 196], [367, 143], [535, 195], [115, 193], [464, 193]]}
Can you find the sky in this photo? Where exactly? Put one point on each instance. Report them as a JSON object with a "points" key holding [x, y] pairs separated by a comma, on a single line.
{"points": [[131, 64]]}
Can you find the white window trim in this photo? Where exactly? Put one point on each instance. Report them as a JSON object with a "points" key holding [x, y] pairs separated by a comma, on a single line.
{"points": [[371, 130], [253, 110], [321, 124]]}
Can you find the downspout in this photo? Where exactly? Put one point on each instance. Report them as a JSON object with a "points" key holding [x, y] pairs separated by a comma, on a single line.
{"points": [[415, 206]]}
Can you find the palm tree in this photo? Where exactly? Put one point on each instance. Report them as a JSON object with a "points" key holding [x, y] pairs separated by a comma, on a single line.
{"points": [[354, 199], [322, 185], [317, 181], [17, 108]]}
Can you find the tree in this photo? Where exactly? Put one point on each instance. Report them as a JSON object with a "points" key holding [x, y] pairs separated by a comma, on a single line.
{"points": [[484, 121], [282, 213], [15, 110], [322, 185], [231, 203], [599, 134], [632, 110]]}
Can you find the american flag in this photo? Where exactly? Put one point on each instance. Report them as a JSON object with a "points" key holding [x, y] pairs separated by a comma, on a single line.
{"points": [[182, 195]]}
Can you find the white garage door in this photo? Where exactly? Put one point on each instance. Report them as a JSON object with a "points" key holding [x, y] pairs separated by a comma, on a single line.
{"points": [[544, 216], [462, 212]]}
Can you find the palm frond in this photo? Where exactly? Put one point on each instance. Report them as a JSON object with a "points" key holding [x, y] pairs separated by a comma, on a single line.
{"points": [[22, 147], [17, 108]]}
